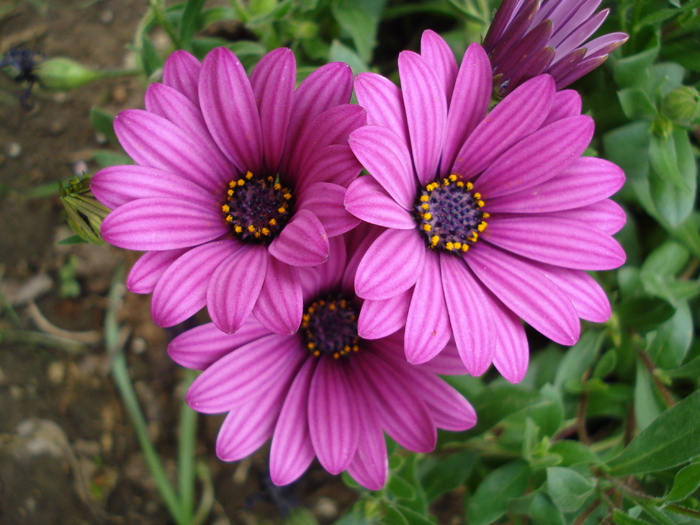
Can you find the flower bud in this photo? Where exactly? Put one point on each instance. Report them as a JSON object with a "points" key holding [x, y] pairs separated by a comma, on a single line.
{"points": [[683, 105], [84, 213], [63, 74]]}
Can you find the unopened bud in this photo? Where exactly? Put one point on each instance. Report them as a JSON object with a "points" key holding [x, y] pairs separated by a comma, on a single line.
{"points": [[85, 214], [64, 74], [683, 105]]}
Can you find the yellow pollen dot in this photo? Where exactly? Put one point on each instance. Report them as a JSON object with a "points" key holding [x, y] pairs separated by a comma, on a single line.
{"points": [[287, 196], [445, 182], [240, 182], [249, 175], [355, 348], [281, 210], [269, 179], [277, 186], [306, 318], [225, 208], [238, 228], [480, 204], [427, 216], [346, 349], [477, 195], [460, 184], [230, 193], [486, 215], [427, 227], [251, 228], [434, 240], [265, 231], [474, 237], [449, 246], [465, 247], [424, 198], [272, 222], [311, 309], [470, 186], [331, 307], [317, 353], [336, 355], [229, 218], [482, 226], [457, 245], [453, 178], [310, 346], [425, 206], [232, 184]]}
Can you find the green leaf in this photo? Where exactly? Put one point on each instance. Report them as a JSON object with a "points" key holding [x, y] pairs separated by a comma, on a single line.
{"points": [[341, 53], [190, 21], [568, 489], [447, 473], [606, 364], [669, 344], [668, 259], [633, 71], [647, 406], [621, 518], [643, 313], [490, 501], [401, 488], [73, 239], [689, 370], [687, 481], [149, 57], [662, 154], [106, 158], [628, 147], [543, 512], [578, 358], [636, 104], [497, 402], [688, 233], [573, 453], [670, 440], [103, 121], [360, 25], [393, 516]]}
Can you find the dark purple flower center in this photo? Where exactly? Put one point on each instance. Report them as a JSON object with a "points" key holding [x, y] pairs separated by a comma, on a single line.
{"points": [[329, 326], [257, 208], [449, 214]]}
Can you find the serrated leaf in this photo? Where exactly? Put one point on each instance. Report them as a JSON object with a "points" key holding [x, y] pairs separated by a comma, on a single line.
{"points": [[670, 440], [490, 501], [621, 518], [686, 482], [567, 488]]}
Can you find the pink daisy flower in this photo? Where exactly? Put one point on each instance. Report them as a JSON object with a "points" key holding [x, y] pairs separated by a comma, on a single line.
{"points": [[239, 182], [491, 218], [527, 39], [324, 392]]}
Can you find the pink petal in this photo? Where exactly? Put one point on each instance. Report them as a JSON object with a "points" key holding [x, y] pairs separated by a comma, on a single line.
{"points": [[606, 215], [384, 317], [156, 142], [387, 159], [291, 452], [146, 272], [235, 286], [553, 240], [537, 158], [336, 164], [426, 113], [280, 304], [438, 54], [447, 362], [181, 72], [511, 355], [203, 345], [117, 185], [182, 291], [333, 417], [472, 95], [384, 103], [518, 115], [229, 109], [367, 200], [157, 223], [567, 103], [402, 412], [391, 265], [273, 81], [331, 272], [427, 324], [358, 242], [526, 291], [586, 181], [245, 375], [471, 314], [302, 242], [325, 201]]}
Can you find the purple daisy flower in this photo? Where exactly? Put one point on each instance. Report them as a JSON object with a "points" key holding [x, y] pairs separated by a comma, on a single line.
{"points": [[239, 183], [490, 218], [323, 392], [527, 39]]}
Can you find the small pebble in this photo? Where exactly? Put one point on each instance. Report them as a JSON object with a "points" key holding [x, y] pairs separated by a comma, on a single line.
{"points": [[57, 127], [80, 167], [60, 98], [119, 94], [106, 16], [16, 392], [56, 372], [14, 150], [100, 138], [326, 508], [138, 345]]}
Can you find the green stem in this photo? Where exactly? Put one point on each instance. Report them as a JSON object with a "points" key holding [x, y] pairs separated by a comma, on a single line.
{"points": [[159, 13], [186, 451]]}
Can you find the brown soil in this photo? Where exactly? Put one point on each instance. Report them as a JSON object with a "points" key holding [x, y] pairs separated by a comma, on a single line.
{"points": [[68, 453]]}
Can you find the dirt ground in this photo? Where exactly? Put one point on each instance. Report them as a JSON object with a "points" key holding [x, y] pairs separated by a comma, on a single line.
{"points": [[68, 453]]}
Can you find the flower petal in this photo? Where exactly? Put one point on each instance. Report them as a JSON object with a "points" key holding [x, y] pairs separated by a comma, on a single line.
{"points": [[230, 110], [553, 240], [471, 314], [387, 159], [367, 200], [472, 94], [235, 286], [245, 375], [273, 81], [203, 345], [384, 103], [567, 103], [336, 164], [291, 452], [524, 290], [302, 242], [538, 157], [438, 54], [325, 201], [391, 265], [117, 185], [333, 417], [518, 115], [402, 412], [606, 215], [381, 318], [586, 181], [426, 113], [181, 72], [511, 355], [427, 324], [146, 272], [447, 362], [157, 223], [182, 291], [280, 304]]}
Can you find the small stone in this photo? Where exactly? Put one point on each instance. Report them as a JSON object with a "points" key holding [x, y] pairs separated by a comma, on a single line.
{"points": [[60, 97], [57, 127], [106, 16], [56, 372], [100, 138], [326, 508], [14, 150], [138, 345], [119, 94], [80, 167], [16, 392], [106, 442]]}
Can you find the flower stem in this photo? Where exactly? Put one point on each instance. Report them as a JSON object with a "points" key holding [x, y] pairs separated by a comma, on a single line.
{"points": [[186, 451]]}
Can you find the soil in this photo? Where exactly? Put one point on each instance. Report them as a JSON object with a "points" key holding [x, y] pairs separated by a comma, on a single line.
{"points": [[68, 452]]}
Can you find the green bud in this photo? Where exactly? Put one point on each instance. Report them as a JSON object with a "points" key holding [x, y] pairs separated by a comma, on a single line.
{"points": [[85, 213], [64, 74], [683, 105]]}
